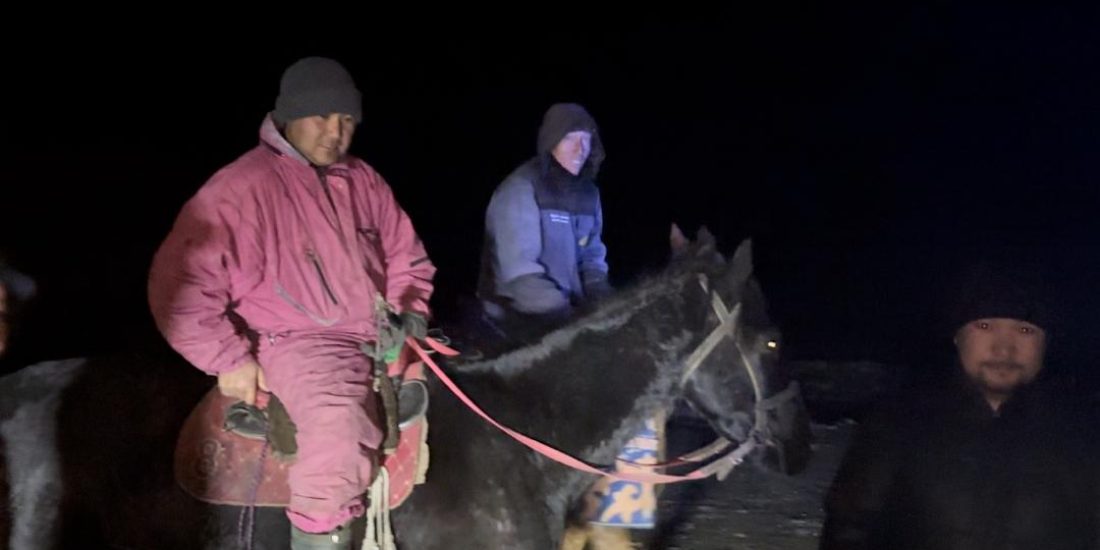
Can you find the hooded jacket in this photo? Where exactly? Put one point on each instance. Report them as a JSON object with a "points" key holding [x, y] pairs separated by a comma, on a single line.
{"points": [[543, 249]]}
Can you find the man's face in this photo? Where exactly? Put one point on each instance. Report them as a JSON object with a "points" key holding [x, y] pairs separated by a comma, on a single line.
{"points": [[322, 139], [999, 354], [572, 151]]}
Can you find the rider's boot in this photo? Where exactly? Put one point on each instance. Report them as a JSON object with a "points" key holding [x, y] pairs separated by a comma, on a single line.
{"points": [[338, 539]]}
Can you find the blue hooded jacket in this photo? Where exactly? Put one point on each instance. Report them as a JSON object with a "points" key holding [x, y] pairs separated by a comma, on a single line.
{"points": [[543, 249]]}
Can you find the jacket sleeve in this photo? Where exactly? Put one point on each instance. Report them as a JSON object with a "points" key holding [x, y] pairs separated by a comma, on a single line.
{"points": [[593, 260], [211, 257], [409, 271], [855, 504], [514, 227]]}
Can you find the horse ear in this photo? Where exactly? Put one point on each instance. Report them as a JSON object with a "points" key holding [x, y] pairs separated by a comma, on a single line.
{"points": [[705, 237], [741, 267], [678, 241], [706, 242]]}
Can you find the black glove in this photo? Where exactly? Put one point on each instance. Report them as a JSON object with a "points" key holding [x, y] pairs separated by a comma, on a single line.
{"points": [[596, 286], [415, 325], [392, 337]]}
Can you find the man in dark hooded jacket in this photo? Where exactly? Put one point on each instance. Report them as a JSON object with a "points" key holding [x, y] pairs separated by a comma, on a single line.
{"points": [[15, 289], [543, 256], [543, 249], [996, 458]]}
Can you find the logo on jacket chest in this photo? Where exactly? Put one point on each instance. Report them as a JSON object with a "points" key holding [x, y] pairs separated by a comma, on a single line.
{"points": [[560, 217]]}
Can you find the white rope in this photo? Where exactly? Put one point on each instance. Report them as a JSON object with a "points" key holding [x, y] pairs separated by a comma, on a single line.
{"points": [[379, 534]]}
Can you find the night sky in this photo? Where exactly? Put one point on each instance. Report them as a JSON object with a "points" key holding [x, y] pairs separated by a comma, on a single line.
{"points": [[867, 152]]}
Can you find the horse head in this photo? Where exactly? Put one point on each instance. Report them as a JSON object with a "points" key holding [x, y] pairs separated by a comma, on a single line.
{"points": [[739, 385]]}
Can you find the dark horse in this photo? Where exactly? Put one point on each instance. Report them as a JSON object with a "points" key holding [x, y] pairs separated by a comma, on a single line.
{"points": [[88, 444]]}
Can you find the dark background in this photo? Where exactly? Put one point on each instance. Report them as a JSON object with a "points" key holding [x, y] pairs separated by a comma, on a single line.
{"points": [[867, 151]]}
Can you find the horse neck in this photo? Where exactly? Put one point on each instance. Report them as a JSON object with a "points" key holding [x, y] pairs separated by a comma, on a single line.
{"points": [[588, 388]]}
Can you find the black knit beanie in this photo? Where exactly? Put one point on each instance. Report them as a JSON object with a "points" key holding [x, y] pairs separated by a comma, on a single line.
{"points": [[316, 86]]}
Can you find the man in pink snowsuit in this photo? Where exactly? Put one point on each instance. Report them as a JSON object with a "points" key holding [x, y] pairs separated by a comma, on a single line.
{"points": [[269, 280]]}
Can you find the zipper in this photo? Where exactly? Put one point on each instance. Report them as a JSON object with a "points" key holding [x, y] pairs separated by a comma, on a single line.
{"points": [[321, 275], [298, 306], [328, 193]]}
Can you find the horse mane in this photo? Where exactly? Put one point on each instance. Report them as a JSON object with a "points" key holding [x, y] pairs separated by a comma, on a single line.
{"points": [[608, 314]]}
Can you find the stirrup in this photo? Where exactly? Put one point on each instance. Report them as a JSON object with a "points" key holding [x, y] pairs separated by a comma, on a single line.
{"points": [[412, 403], [246, 420]]}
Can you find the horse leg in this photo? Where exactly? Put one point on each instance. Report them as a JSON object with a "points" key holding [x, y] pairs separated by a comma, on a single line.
{"points": [[575, 537], [610, 538], [596, 537]]}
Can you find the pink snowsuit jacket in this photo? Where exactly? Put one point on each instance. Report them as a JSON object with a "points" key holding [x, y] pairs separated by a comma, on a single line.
{"points": [[262, 243]]}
